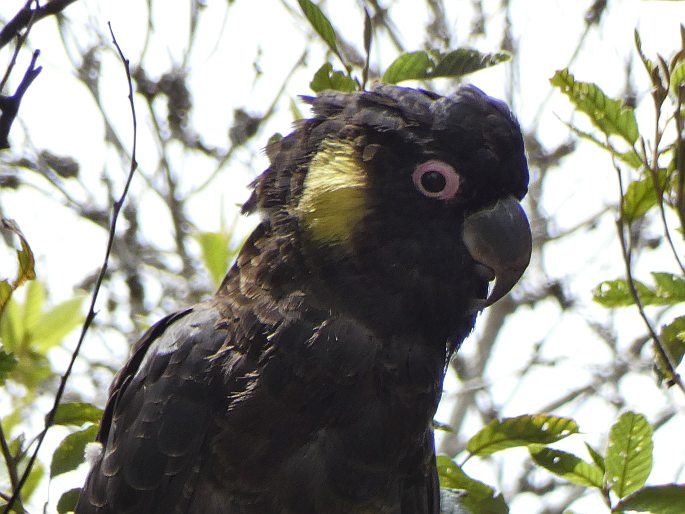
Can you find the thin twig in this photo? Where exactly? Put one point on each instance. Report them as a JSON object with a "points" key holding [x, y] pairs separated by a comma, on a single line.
{"points": [[116, 208]]}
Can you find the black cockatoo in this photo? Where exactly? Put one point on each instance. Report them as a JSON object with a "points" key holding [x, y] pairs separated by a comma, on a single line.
{"points": [[308, 383]]}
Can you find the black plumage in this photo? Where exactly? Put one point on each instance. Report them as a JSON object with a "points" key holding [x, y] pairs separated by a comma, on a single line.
{"points": [[308, 382]]}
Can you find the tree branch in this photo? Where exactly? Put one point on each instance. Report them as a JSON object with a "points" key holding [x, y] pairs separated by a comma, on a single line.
{"points": [[9, 105], [27, 16]]}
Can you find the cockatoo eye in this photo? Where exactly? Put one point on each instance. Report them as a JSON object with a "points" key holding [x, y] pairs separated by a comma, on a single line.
{"points": [[436, 179]]}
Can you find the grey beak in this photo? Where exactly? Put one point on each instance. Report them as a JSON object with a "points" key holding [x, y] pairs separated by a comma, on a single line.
{"points": [[499, 238]]}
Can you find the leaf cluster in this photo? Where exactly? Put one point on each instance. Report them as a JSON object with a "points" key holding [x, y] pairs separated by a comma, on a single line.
{"points": [[619, 475], [652, 185], [651, 177], [656, 174], [416, 65], [29, 330]]}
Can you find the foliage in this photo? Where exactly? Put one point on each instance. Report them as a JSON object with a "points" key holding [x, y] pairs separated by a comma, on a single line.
{"points": [[217, 253], [656, 186], [619, 475], [423, 65], [28, 332], [33, 328], [25, 264], [623, 470], [417, 65], [612, 117]]}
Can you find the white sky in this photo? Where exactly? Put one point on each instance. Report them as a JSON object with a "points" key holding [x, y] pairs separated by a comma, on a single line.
{"points": [[59, 115]]}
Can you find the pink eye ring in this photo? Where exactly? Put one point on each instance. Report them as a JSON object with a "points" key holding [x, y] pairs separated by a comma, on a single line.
{"points": [[436, 179]]}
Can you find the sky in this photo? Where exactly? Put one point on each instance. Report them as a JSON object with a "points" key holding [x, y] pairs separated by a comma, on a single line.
{"points": [[60, 115]]}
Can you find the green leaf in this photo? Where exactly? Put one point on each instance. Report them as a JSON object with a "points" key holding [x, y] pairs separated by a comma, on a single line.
{"points": [[658, 499], [295, 112], [11, 327], [67, 502], [673, 338], [11, 420], [640, 197], [421, 65], [453, 477], [77, 413], [673, 335], [216, 252], [463, 61], [669, 287], [408, 66], [568, 466], [677, 78], [596, 457], [5, 293], [35, 476], [610, 116], [629, 456], [34, 302], [648, 64], [7, 364], [26, 270], [24, 254], [51, 328], [26, 264], [325, 78], [669, 290], [520, 431], [475, 496], [69, 454], [321, 25], [616, 293]]}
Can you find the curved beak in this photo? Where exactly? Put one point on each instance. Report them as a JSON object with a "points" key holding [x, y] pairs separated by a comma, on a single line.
{"points": [[499, 240]]}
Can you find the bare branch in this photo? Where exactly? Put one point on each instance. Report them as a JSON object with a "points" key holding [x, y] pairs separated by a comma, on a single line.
{"points": [[26, 16], [9, 105]]}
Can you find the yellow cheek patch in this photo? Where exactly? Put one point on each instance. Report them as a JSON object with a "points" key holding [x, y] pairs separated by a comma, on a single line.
{"points": [[333, 200]]}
